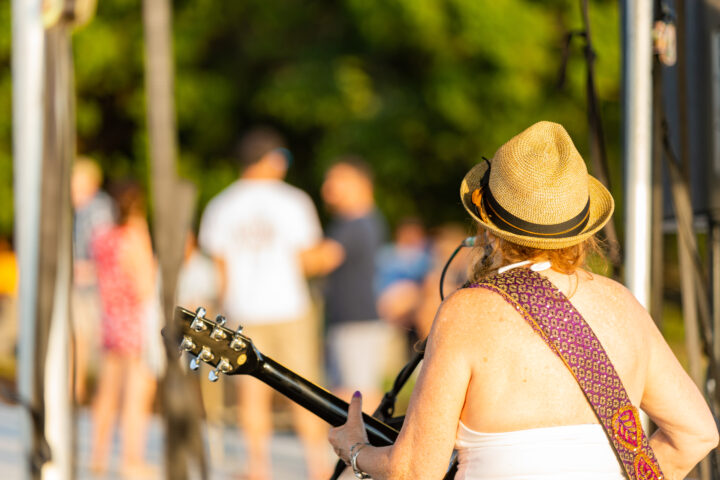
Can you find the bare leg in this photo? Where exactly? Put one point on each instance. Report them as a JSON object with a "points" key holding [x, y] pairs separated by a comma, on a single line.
{"points": [[86, 317], [137, 407], [80, 363], [214, 403], [256, 419], [313, 434], [105, 409]]}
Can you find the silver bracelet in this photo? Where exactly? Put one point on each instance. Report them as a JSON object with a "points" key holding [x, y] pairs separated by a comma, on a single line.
{"points": [[354, 452]]}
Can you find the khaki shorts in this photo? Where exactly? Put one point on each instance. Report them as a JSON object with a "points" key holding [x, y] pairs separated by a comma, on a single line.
{"points": [[358, 354], [294, 344]]}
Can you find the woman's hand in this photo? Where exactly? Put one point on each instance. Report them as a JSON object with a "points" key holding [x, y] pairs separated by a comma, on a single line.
{"points": [[342, 438]]}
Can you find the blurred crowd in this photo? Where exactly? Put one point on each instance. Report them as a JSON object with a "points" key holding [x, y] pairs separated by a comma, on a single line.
{"points": [[342, 306]]}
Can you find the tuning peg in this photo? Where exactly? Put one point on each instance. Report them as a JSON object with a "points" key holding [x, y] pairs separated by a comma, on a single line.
{"points": [[198, 324], [218, 333], [206, 355], [223, 366], [237, 343], [187, 344], [194, 364]]}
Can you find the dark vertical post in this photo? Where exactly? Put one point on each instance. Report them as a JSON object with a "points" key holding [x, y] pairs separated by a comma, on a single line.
{"points": [[172, 205], [691, 282], [656, 262], [684, 212], [715, 295]]}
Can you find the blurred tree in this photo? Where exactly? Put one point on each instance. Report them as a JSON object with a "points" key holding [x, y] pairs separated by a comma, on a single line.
{"points": [[421, 88], [6, 178]]}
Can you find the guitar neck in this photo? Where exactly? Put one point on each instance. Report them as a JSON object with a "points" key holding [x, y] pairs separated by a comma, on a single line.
{"points": [[318, 400]]}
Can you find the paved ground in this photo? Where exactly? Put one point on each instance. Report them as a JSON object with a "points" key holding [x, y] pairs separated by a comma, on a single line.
{"points": [[287, 455]]}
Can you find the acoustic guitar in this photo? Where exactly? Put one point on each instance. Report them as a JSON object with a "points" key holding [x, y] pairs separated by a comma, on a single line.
{"points": [[232, 353]]}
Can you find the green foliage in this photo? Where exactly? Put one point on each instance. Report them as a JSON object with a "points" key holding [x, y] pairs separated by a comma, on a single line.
{"points": [[6, 177], [421, 88]]}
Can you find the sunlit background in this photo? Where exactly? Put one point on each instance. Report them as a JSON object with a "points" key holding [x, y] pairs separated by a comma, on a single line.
{"points": [[422, 89]]}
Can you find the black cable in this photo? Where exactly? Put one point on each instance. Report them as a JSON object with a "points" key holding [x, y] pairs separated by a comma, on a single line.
{"points": [[597, 136], [468, 242], [444, 270]]}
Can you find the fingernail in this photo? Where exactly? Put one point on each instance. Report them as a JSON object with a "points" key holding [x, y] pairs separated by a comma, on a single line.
{"points": [[356, 394]]}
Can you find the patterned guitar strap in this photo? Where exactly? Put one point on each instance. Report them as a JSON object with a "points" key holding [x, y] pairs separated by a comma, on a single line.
{"points": [[565, 331]]}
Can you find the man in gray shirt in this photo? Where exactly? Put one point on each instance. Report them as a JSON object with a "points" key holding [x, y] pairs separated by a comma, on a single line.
{"points": [[357, 340]]}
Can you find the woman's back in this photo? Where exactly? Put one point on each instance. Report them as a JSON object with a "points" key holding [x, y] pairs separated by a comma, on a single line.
{"points": [[518, 383], [487, 369]]}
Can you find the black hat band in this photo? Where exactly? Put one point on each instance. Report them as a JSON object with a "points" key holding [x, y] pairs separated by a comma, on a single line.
{"points": [[510, 223]]}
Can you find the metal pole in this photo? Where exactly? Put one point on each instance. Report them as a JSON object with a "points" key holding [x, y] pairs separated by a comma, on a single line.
{"points": [[637, 113], [58, 403], [637, 18], [715, 236], [27, 67]]}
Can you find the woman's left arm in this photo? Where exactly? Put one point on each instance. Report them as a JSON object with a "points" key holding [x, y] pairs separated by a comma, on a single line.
{"points": [[426, 441]]}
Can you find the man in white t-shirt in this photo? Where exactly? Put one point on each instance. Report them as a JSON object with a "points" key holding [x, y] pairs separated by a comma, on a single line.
{"points": [[256, 230]]}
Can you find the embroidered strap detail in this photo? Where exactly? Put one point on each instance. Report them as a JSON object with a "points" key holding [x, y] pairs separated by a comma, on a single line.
{"points": [[626, 428], [565, 331]]}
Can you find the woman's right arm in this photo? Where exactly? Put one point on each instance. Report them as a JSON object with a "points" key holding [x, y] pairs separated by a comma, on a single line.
{"points": [[686, 428]]}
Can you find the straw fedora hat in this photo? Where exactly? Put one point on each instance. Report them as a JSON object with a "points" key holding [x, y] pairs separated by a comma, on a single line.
{"points": [[536, 191]]}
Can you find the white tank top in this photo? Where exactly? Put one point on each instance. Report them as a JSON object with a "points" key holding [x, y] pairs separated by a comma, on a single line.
{"points": [[573, 452]]}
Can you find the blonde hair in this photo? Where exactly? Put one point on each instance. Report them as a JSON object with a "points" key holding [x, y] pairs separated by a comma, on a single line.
{"points": [[493, 252], [496, 252]]}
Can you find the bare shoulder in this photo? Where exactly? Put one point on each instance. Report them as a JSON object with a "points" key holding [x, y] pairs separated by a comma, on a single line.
{"points": [[475, 303], [599, 289], [612, 308], [468, 316], [604, 283]]}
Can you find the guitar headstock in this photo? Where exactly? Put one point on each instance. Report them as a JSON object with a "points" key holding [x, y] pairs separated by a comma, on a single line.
{"points": [[230, 352]]}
